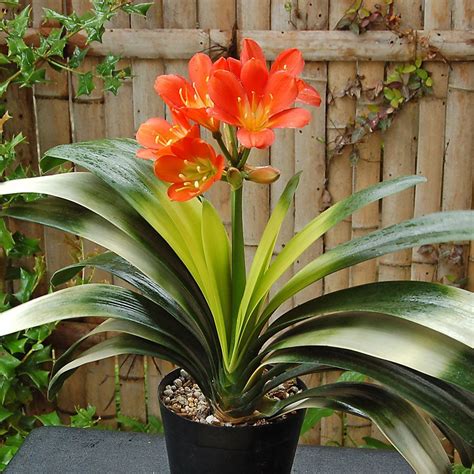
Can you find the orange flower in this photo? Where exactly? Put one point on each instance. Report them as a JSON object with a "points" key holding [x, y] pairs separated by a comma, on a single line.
{"points": [[191, 98], [257, 102], [157, 134], [192, 166], [290, 61]]}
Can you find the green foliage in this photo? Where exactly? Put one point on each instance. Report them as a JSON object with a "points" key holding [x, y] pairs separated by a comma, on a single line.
{"points": [[24, 375], [25, 360], [406, 83], [28, 63], [154, 424], [181, 312]]}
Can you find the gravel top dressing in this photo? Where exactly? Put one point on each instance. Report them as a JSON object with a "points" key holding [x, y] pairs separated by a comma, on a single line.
{"points": [[185, 398]]}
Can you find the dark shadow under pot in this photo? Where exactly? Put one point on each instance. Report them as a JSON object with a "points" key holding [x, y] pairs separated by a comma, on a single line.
{"points": [[200, 448]]}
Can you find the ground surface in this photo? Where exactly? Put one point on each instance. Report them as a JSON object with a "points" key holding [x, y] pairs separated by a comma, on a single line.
{"points": [[55, 450]]}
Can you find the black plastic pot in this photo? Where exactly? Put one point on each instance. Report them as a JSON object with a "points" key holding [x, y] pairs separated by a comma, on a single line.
{"points": [[198, 448]]}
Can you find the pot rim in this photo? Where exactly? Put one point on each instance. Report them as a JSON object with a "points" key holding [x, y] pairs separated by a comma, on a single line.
{"points": [[279, 420]]}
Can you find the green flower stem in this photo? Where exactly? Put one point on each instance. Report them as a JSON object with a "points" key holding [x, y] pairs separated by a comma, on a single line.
{"points": [[238, 253], [218, 137], [243, 158]]}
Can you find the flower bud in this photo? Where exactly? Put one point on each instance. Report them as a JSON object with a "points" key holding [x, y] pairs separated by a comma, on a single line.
{"points": [[234, 178], [262, 174]]}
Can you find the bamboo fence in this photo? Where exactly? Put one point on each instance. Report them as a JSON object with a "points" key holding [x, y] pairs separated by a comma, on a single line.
{"points": [[432, 137]]}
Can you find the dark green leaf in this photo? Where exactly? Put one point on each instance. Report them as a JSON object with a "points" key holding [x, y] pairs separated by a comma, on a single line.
{"points": [[49, 419], [313, 417], [86, 84], [139, 8]]}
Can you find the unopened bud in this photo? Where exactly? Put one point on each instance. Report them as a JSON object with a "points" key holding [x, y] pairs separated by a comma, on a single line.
{"points": [[234, 178], [262, 174]]}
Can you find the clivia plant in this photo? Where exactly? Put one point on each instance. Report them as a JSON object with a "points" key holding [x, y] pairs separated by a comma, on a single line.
{"points": [[198, 306]]}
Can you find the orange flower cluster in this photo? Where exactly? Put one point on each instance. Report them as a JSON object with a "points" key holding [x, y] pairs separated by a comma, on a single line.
{"points": [[240, 93]]}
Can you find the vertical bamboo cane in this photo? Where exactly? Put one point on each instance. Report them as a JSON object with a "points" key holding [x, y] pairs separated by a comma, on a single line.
{"points": [[256, 196], [310, 157], [282, 153], [431, 143], [400, 159], [147, 104], [366, 172], [459, 146], [88, 119], [340, 112], [431, 133], [54, 128]]}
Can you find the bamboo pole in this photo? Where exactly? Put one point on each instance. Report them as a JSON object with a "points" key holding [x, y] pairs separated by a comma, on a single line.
{"points": [[366, 172], [431, 144], [310, 157], [54, 128], [400, 148], [340, 112], [147, 104], [88, 123], [459, 146], [282, 155], [332, 45]]}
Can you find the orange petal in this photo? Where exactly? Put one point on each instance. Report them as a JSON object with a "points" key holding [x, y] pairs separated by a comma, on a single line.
{"points": [[308, 94], [235, 66], [223, 116], [225, 90], [200, 66], [146, 154], [202, 117], [262, 139], [281, 91], [291, 118], [290, 61], [148, 131], [173, 89], [251, 49], [177, 192], [168, 168], [254, 77]]}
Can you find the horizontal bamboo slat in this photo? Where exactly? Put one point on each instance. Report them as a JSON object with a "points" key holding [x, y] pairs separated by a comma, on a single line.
{"points": [[315, 45]]}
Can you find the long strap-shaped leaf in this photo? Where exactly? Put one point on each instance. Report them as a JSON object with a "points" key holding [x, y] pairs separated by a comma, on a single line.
{"points": [[119, 345], [70, 217], [94, 194], [320, 225], [445, 309], [433, 228], [217, 252], [265, 248], [443, 401], [389, 338], [100, 300], [198, 366], [197, 322], [395, 417], [114, 161]]}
